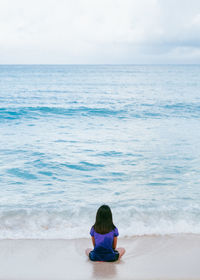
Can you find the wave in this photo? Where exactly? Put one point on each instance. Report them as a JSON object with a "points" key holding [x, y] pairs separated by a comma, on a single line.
{"points": [[42, 111], [135, 110], [67, 224]]}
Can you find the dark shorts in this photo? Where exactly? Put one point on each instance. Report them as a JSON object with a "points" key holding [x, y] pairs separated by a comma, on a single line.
{"points": [[103, 255]]}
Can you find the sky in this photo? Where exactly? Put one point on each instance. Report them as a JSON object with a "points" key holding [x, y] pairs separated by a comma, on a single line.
{"points": [[99, 31]]}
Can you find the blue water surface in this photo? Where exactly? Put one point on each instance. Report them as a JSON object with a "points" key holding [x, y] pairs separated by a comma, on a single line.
{"points": [[73, 137]]}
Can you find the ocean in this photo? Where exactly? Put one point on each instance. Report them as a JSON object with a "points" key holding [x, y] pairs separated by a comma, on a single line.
{"points": [[74, 137]]}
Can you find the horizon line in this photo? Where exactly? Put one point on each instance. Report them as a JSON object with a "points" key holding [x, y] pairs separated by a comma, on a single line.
{"points": [[97, 64]]}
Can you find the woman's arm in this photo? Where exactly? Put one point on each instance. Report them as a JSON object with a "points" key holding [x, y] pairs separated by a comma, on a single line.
{"points": [[93, 241], [115, 242]]}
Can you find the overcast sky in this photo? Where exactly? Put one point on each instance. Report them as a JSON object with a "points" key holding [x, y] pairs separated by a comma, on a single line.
{"points": [[99, 31]]}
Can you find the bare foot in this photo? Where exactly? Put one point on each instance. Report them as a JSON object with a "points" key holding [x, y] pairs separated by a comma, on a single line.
{"points": [[121, 251], [87, 251]]}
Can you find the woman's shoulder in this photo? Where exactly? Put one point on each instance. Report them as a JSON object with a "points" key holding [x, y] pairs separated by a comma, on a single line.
{"points": [[116, 232], [92, 231]]}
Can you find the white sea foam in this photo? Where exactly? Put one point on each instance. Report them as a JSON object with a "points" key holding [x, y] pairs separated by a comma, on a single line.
{"points": [[47, 225]]}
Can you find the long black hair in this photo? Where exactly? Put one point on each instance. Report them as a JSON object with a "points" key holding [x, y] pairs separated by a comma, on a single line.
{"points": [[104, 222]]}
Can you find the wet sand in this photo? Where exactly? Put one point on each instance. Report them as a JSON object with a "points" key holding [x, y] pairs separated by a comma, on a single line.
{"points": [[147, 257]]}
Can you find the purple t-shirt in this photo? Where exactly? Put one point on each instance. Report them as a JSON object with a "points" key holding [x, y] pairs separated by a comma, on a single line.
{"points": [[104, 240]]}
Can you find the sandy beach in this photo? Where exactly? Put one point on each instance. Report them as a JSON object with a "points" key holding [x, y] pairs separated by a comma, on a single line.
{"points": [[147, 257]]}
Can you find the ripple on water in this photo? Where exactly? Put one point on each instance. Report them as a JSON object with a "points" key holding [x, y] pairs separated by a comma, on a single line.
{"points": [[25, 174]]}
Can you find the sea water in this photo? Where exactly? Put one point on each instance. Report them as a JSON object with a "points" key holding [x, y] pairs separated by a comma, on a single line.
{"points": [[73, 137]]}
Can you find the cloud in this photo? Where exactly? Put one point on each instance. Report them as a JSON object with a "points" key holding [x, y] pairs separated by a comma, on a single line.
{"points": [[93, 31]]}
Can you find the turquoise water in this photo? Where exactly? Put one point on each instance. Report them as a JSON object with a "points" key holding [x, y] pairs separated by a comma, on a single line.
{"points": [[73, 137]]}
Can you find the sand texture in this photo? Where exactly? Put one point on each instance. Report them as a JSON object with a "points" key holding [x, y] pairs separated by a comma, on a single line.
{"points": [[147, 257]]}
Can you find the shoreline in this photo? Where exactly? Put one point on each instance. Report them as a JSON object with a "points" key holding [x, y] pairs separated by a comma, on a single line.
{"points": [[147, 257], [126, 237]]}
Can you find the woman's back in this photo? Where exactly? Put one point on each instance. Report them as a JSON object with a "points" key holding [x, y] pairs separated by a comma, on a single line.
{"points": [[104, 240]]}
